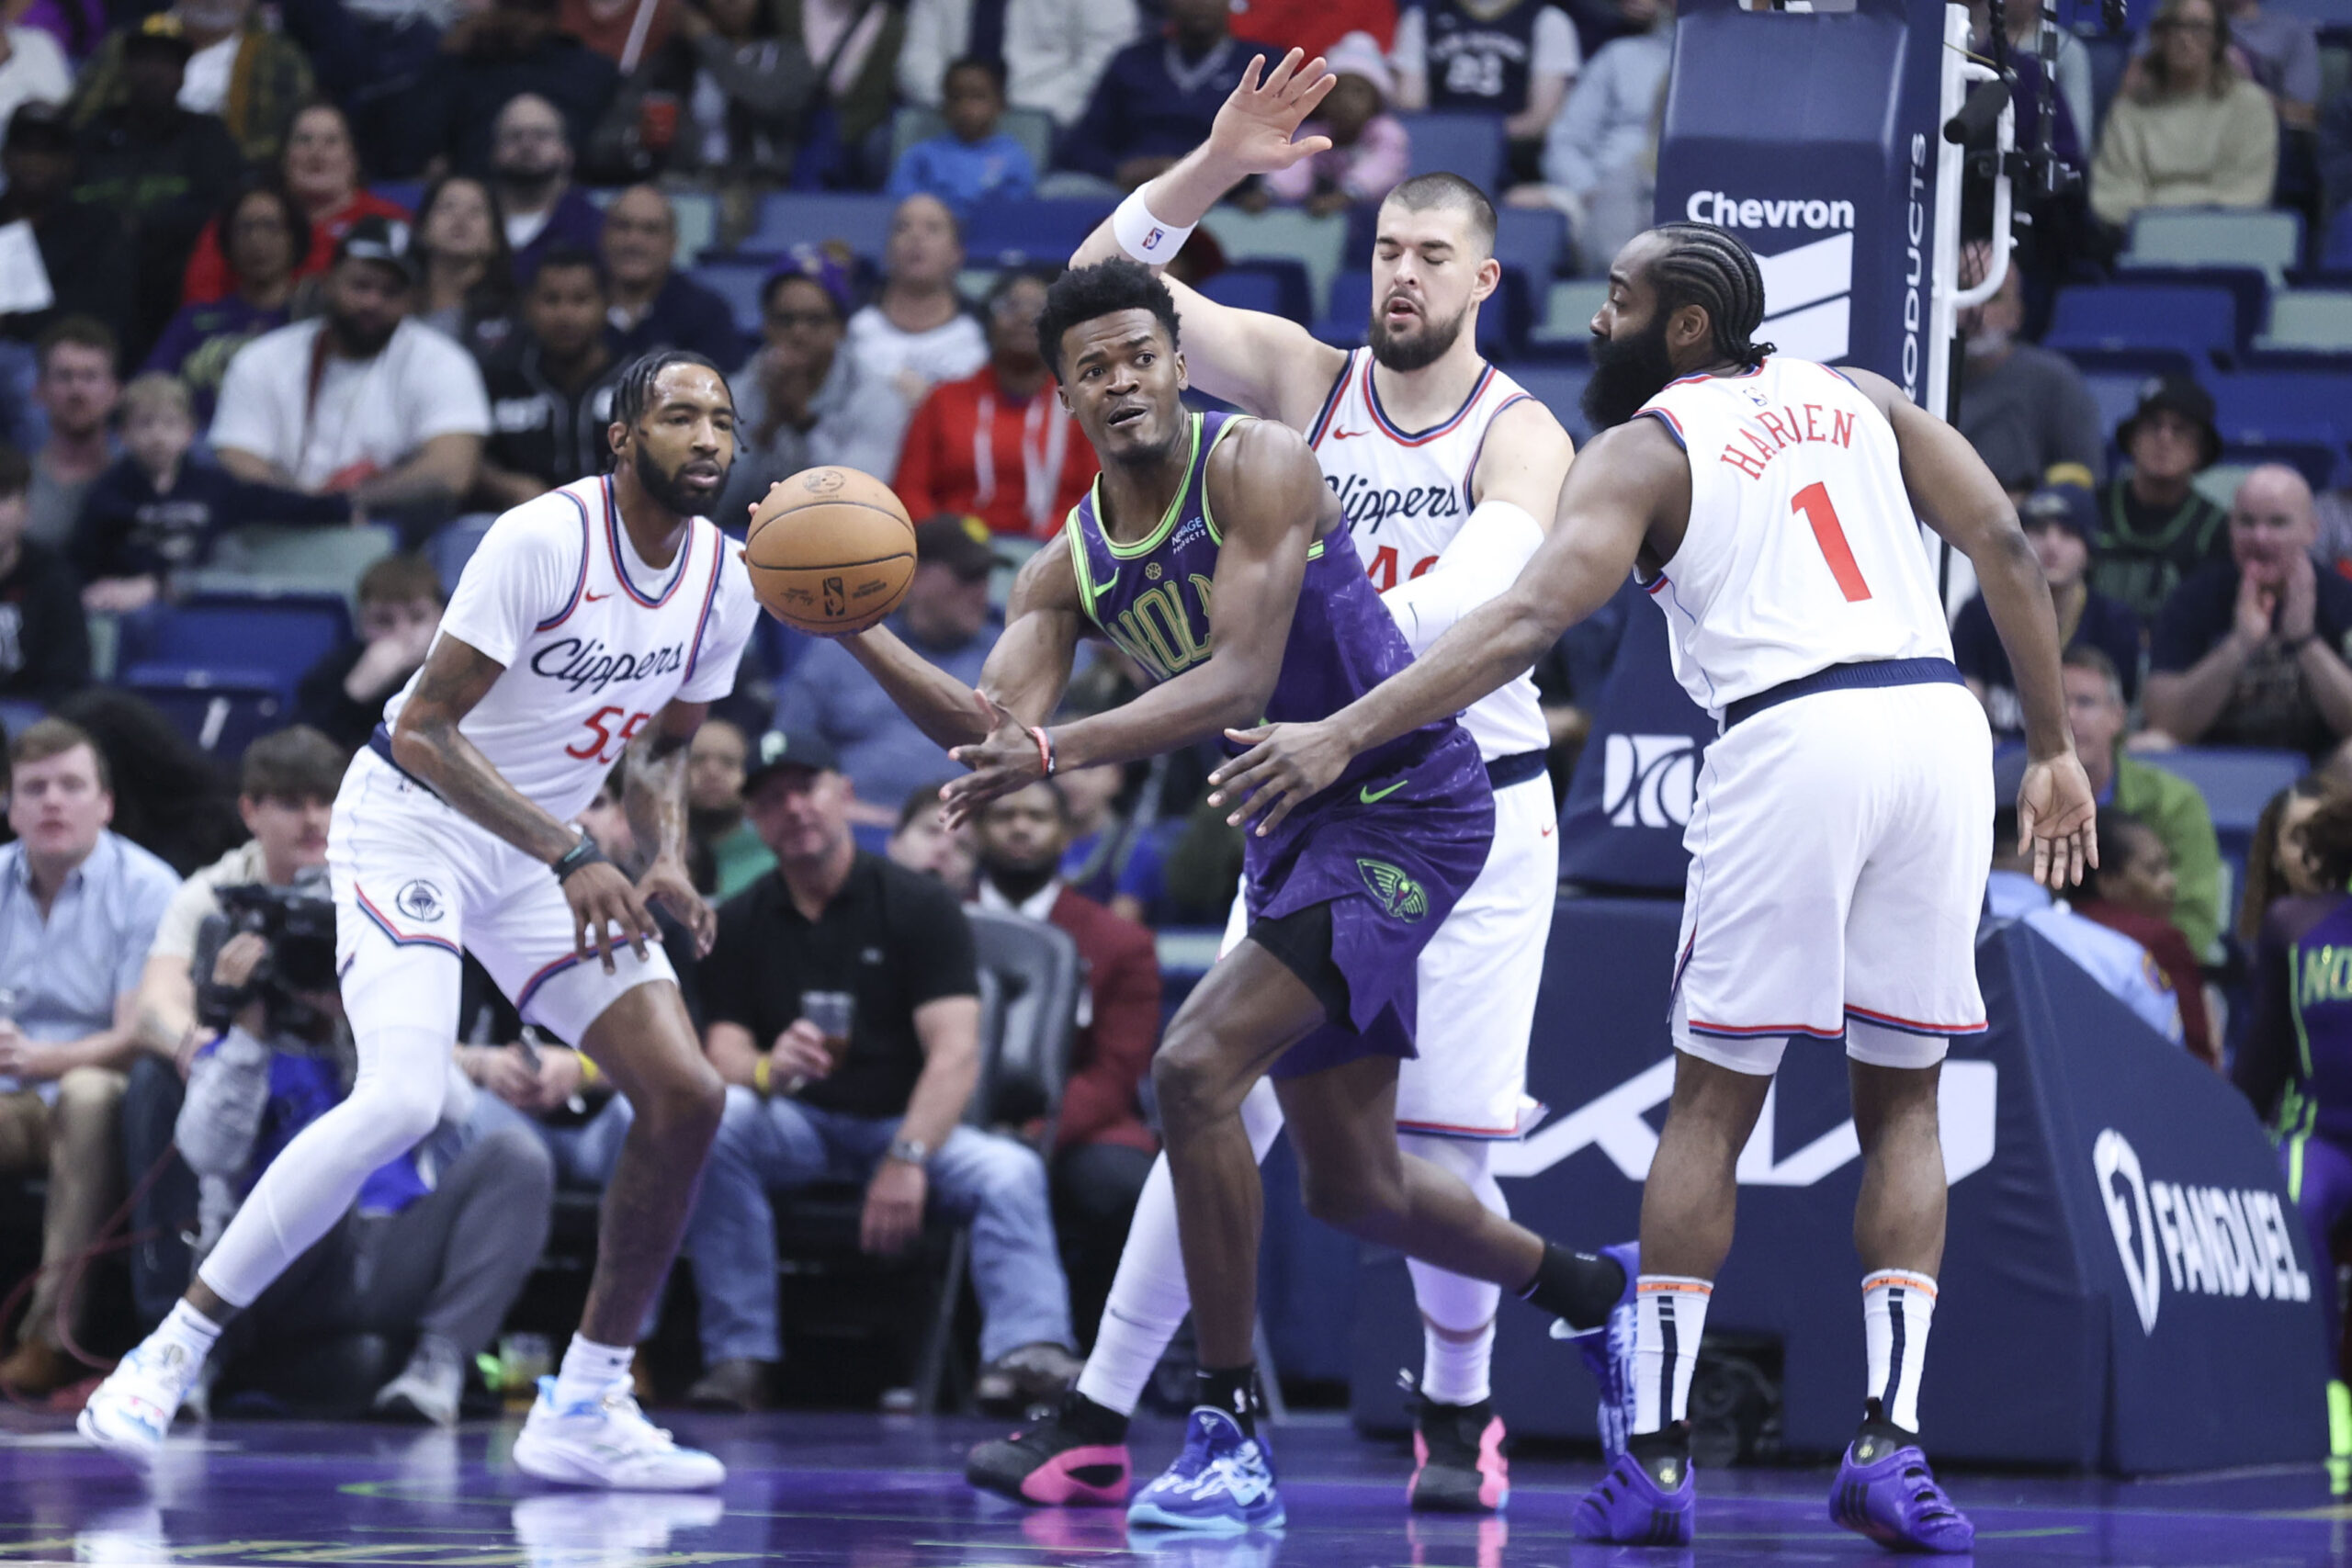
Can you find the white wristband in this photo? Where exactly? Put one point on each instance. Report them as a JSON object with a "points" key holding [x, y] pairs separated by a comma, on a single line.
{"points": [[1144, 237]]}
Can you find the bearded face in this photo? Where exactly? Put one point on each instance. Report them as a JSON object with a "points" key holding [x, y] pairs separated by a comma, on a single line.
{"points": [[1627, 372]]}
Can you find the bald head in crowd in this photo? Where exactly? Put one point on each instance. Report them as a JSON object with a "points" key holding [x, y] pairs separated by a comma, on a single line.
{"points": [[2274, 518]]}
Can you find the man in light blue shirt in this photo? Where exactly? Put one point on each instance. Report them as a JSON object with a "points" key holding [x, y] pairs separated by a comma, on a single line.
{"points": [[2121, 966], [78, 909]]}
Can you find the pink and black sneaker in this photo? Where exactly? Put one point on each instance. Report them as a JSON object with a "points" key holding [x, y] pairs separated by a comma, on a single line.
{"points": [[1458, 1465], [1886, 1492], [1065, 1462]]}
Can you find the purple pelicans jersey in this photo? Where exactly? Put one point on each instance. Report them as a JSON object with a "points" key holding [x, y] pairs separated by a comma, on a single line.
{"points": [[1394, 841]]}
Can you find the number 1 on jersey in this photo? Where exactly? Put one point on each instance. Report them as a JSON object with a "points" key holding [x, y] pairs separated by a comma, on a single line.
{"points": [[1813, 502]]}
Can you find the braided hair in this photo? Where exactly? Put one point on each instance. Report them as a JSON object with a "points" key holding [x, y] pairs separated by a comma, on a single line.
{"points": [[634, 391], [1711, 268]]}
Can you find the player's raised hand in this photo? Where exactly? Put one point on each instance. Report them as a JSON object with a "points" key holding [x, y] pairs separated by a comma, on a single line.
{"points": [[601, 898], [1285, 766], [2058, 820], [1010, 759], [1253, 132], [665, 882]]}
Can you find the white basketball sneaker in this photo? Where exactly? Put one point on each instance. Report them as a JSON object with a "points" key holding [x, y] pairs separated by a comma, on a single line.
{"points": [[133, 1410], [607, 1441]]}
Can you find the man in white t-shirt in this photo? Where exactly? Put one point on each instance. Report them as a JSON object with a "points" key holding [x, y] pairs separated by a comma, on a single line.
{"points": [[361, 399], [919, 332], [32, 70]]}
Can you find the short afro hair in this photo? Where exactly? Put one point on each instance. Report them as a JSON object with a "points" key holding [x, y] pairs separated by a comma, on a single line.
{"points": [[1083, 293]]}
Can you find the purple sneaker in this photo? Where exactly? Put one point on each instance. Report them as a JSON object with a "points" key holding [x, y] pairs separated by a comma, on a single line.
{"points": [[1894, 1499], [1607, 1351], [1628, 1508]]}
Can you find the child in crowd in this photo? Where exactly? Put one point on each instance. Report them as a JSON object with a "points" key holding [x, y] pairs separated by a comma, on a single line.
{"points": [[156, 511], [1370, 150], [974, 161]]}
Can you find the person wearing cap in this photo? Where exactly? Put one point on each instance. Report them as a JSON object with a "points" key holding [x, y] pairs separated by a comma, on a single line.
{"points": [[2059, 521], [883, 1107], [2154, 529], [360, 398], [947, 619], [85, 266], [1370, 151], [801, 400], [2025, 409], [998, 445], [240, 68], [162, 169], [2250, 650]]}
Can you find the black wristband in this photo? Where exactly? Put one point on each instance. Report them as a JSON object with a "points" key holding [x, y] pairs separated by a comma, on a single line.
{"points": [[2295, 645], [584, 853]]}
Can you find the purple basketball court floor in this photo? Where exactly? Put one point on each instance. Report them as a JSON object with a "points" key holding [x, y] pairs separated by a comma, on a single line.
{"points": [[872, 1492]]}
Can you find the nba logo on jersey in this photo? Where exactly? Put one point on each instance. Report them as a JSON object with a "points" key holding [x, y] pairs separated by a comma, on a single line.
{"points": [[1648, 780]]}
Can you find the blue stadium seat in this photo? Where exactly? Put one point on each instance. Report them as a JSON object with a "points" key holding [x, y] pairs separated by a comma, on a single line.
{"points": [[2314, 460], [738, 283], [1531, 238], [1470, 145], [1005, 234], [2117, 393], [454, 544], [2271, 407], [859, 219], [223, 710], [2201, 322], [2249, 284], [281, 634], [404, 194], [2169, 236], [1278, 288], [2236, 784], [1558, 387], [15, 713], [2337, 253]]}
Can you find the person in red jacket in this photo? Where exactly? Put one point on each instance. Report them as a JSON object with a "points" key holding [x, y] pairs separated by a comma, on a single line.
{"points": [[2130, 890], [999, 445], [1102, 1149]]}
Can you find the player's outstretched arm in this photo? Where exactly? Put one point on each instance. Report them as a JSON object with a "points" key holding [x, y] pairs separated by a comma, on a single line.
{"points": [[1026, 672], [1957, 496], [1628, 478], [1515, 490], [1267, 496], [1266, 364], [653, 792], [429, 747]]}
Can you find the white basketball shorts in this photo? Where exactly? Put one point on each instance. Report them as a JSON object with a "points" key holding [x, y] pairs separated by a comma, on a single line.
{"points": [[1838, 846], [415, 882], [1478, 977]]}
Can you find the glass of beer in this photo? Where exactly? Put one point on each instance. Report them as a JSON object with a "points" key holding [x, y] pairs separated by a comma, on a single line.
{"points": [[833, 1013]]}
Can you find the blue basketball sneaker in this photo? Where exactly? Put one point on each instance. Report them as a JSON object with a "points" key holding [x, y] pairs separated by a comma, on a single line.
{"points": [[1607, 1351], [1222, 1483]]}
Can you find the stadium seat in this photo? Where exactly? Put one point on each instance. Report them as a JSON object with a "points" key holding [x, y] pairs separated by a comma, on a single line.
{"points": [[2314, 460], [2270, 407], [2236, 784], [2201, 322], [454, 544], [267, 559], [15, 713], [1008, 233], [404, 194], [1565, 331], [1278, 288], [2250, 285], [222, 710], [1283, 234], [1470, 145], [2271, 240], [697, 212], [857, 219], [2117, 393], [279, 634], [1532, 240], [1033, 129], [737, 282], [1558, 387], [2337, 253]]}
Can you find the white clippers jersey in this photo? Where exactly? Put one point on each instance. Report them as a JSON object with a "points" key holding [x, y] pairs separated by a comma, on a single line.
{"points": [[1802, 549], [1406, 495], [595, 641]]}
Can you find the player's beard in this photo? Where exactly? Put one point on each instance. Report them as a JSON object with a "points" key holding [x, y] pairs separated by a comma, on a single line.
{"points": [[667, 487], [1626, 373], [1415, 350]]}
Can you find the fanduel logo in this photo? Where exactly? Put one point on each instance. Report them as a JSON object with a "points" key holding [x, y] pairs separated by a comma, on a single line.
{"points": [[1647, 780], [2216, 1241], [1618, 1123]]}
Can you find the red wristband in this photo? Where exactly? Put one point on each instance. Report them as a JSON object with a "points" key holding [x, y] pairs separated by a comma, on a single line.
{"points": [[1045, 747]]}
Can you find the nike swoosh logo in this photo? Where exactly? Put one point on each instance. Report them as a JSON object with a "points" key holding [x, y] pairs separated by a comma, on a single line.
{"points": [[1109, 583], [595, 598], [1370, 797], [1549, 831], [1347, 435]]}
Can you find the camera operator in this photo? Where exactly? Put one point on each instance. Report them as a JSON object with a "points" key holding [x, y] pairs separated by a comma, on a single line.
{"points": [[441, 1238]]}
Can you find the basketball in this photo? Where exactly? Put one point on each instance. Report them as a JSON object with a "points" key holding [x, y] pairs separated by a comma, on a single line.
{"points": [[831, 551]]}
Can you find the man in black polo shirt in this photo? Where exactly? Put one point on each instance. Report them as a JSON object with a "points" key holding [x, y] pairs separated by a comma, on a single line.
{"points": [[551, 392], [834, 930]]}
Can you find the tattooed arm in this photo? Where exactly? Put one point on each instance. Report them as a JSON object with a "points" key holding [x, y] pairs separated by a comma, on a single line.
{"points": [[653, 792], [428, 746]]}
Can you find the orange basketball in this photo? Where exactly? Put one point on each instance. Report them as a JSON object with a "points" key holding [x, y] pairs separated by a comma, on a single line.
{"points": [[831, 551]]}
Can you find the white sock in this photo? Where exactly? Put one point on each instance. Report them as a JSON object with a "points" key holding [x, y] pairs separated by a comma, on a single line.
{"points": [[589, 1369], [1149, 1300], [1670, 1314], [189, 1329], [1897, 1306], [1457, 1313]]}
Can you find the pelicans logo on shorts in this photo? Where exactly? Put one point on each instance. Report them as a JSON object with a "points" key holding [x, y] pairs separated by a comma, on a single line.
{"points": [[1398, 894], [419, 901]]}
